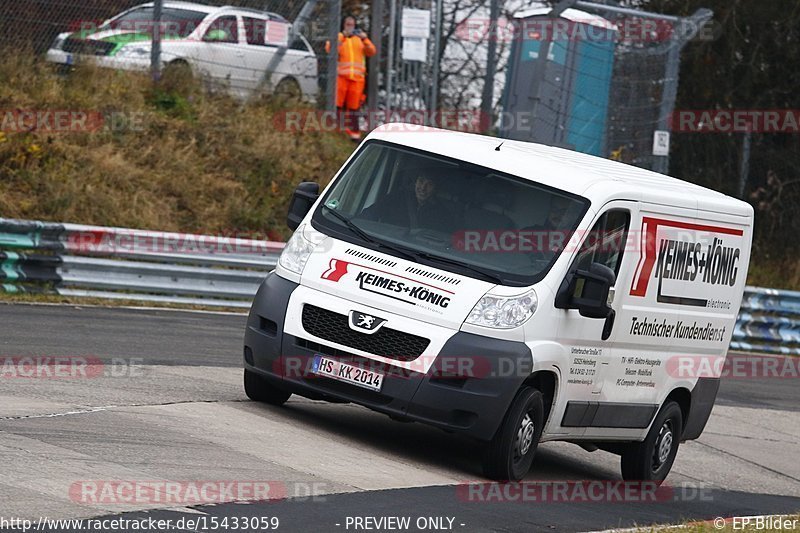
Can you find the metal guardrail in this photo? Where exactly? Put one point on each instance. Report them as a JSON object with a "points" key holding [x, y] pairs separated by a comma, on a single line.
{"points": [[769, 321], [154, 266], [119, 263]]}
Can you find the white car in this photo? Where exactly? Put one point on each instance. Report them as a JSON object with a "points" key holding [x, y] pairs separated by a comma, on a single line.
{"points": [[232, 46]]}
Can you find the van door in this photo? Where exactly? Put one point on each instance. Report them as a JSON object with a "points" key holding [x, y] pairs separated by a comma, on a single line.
{"points": [[590, 342]]}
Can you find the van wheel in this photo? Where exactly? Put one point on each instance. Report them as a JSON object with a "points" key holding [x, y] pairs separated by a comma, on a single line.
{"points": [[651, 459], [259, 389], [509, 455]]}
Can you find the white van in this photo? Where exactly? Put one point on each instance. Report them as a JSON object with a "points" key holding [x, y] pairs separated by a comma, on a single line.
{"points": [[514, 292]]}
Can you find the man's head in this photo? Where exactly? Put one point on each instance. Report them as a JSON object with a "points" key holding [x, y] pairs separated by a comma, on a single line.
{"points": [[424, 188], [558, 209], [348, 24]]}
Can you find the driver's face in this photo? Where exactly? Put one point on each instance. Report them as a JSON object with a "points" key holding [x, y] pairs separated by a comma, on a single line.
{"points": [[424, 189]]}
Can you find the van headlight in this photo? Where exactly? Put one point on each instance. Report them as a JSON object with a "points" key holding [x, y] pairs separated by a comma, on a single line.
{"points": [[296, 252], [502, 312]]}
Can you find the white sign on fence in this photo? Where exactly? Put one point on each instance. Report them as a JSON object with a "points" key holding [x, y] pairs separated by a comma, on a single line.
{"points": [[415, 49], [416, 23], [661, 142]]}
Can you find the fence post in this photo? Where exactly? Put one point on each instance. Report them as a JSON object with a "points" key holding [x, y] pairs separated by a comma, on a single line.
{"points": [[375, 35], [487, 96], [744, 172], [437, 59], [689, 27], [155, 50], [334, 21], [297, 28]]}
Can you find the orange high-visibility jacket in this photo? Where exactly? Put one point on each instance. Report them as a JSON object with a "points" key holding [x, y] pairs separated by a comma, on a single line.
{"points": [[353, 52]]}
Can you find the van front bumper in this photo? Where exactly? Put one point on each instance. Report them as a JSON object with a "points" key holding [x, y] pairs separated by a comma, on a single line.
{"points": [[468, 388]]}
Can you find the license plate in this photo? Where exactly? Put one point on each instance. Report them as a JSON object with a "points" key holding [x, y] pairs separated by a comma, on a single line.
{"points": [[341, 371]]}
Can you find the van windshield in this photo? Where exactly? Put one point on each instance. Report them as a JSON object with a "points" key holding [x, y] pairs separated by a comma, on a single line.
{"points": [[449, 214]]}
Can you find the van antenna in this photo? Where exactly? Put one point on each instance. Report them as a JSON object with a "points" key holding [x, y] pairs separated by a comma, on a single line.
{"points": [[497, 148]]}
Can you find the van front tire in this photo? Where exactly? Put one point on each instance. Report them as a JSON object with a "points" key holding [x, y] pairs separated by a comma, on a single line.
{"points": [[259, 389], [509, 455], [651, 459]]}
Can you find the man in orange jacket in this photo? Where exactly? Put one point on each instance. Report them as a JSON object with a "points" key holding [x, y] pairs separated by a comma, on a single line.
{"points": [[354, 48]]}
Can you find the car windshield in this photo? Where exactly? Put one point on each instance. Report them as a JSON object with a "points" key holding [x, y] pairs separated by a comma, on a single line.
{"points": [[450, 214], [175, 23]]}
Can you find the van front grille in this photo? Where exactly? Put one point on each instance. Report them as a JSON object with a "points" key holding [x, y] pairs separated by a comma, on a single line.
{"points": [[386, 342]]}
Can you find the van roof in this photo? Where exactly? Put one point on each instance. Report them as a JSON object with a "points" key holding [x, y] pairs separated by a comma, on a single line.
{"points": [[600, 180]]}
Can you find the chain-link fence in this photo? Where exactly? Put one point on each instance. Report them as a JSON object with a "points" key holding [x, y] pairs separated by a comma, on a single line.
{"points": [[281, 47]]}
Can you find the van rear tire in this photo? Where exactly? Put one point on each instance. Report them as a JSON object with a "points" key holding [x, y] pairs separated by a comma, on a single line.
{"points": [[259, 389], [509, 455], [652, 459]]}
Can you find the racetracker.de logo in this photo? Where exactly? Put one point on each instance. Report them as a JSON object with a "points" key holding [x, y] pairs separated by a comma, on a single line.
{"points": [[52, 367], [581, 491], [114, 492], [734, 366]]}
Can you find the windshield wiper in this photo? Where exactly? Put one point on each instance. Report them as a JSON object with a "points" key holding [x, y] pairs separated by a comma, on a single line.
{"points": [[430, 257], [365, 236]]}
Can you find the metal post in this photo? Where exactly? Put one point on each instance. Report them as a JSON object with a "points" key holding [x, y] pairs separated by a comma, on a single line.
{"points": [[487, 96], [299, 23], [745, 168], [670, 91], [155, 51], [375, 34], [390, 57], [334, 21], [437, 52]]}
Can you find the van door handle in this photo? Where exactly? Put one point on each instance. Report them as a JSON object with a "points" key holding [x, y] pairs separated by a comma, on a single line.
{"points": [[609, 325]]}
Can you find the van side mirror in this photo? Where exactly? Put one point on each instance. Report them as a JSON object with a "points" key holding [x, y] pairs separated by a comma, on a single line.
{"points": [[303, 198], [587, 291]]}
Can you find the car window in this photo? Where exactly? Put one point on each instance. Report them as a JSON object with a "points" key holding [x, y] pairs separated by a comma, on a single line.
{"points": [[605, 243], [255, 30], [299, 44], [223, 30]]}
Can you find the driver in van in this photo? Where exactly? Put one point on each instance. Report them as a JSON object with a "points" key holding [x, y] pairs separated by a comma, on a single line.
{"points": [[424, 209]]}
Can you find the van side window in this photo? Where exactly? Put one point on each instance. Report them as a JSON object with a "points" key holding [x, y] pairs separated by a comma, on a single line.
{"points": [[605, 243]]}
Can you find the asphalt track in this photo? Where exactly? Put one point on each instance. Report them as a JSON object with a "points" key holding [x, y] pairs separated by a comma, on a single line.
{"points": [[177, 412]]}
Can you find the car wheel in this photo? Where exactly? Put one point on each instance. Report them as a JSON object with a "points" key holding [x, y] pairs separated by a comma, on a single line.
{"points": [[651, 459], [259, 389], [177, 75], [288, 92], [509, 455]]}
